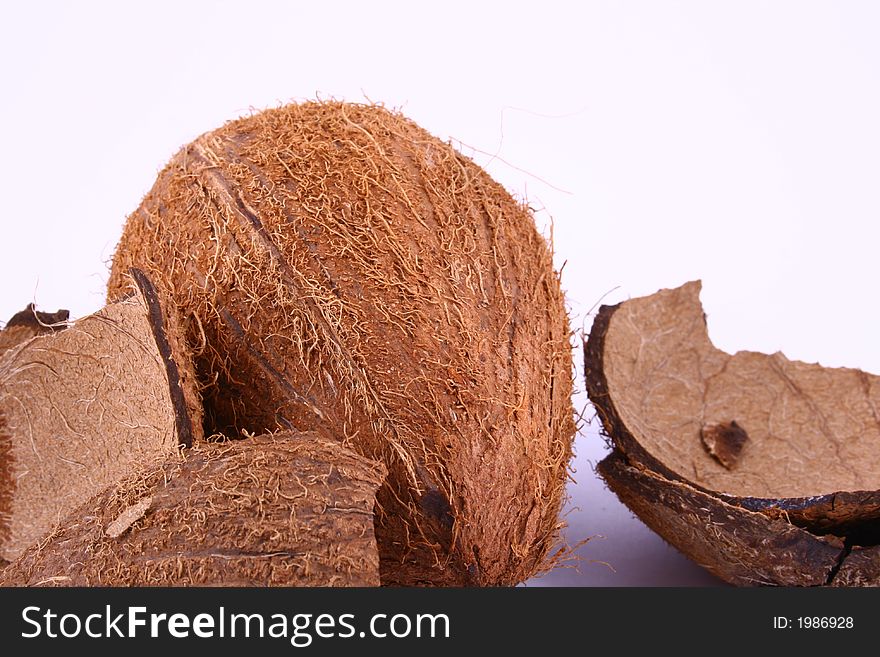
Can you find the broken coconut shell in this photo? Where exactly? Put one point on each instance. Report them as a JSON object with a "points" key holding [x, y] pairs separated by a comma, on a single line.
{"points": [[345, 272], [28, 323], [279, 510], [796, 442], [82, 407], [742, 547]]}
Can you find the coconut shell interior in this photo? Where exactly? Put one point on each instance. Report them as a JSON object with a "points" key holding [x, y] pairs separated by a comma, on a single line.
{"points": [[83, 407], [345, 272], [281, 510], [795, 441]]}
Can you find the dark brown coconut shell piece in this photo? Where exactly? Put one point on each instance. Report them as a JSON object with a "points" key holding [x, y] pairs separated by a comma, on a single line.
{"points": [[345, 272], [794, 441], [31, 322], [84, 406], [277, 510], [742, 547]]}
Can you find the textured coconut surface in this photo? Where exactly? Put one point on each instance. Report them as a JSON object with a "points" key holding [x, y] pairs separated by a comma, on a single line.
{"points": [[732, 434], [83, 407], [340, 270], [279, 510], [861, 567]]}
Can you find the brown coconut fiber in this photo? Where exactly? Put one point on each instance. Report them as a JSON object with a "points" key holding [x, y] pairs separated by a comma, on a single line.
{"points": [[83, 407], [345, 272], [764, 470], [275, 510]]}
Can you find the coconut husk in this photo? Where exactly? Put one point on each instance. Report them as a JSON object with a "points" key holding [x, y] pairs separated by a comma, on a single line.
{"points": [[342, 271], [82, 407], [282, 510], [31, 322], [796, 442]]}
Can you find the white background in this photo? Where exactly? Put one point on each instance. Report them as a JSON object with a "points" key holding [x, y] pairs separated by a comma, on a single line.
{"points": [[736, 142]]}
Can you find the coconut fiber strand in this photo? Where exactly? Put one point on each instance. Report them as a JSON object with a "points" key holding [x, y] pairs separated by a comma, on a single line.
{"points": [[82, 407], [762, 469], [343, 271], [289, 510]]}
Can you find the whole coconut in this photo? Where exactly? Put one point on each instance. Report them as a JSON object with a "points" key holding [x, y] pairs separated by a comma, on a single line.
{"points": [[345, 272]]}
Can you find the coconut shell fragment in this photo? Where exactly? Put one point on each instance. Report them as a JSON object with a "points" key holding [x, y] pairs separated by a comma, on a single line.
{"points": [[742, 547], [750, 438], [31, 322], [84, 406], [343, 271], [279, 510]]}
